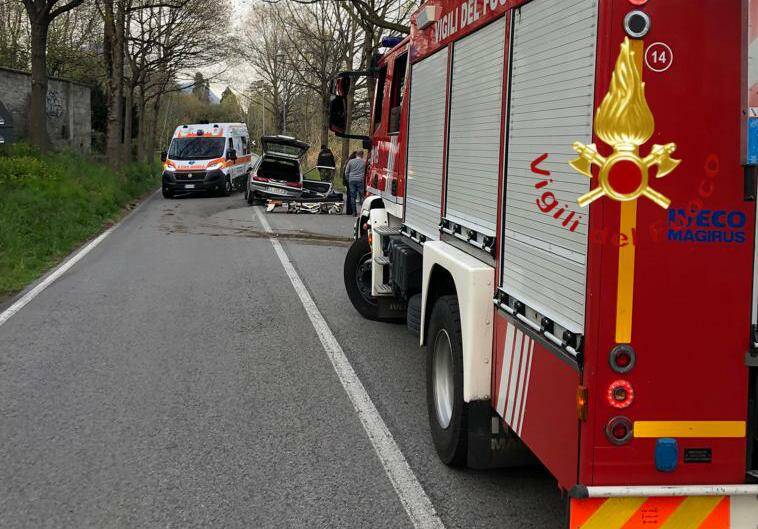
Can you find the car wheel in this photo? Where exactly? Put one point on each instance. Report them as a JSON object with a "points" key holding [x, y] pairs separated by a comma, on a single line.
{"points": [[357, 277], [444, 387]]}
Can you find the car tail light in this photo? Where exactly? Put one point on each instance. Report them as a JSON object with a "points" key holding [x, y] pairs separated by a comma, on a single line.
{"points": [[619, 430], [259, 178], [295, 184]]}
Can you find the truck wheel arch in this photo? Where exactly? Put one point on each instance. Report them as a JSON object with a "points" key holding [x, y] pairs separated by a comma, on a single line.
{"points": [[441, 283], [448, 270]]}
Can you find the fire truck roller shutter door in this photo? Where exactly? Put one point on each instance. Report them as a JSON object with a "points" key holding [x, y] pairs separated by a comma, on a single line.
{"points": [[551, 106], [475, 124], [426, 132]]}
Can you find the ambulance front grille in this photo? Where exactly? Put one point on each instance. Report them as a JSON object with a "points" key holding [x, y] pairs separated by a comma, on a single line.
{"points": [[190, 177]]}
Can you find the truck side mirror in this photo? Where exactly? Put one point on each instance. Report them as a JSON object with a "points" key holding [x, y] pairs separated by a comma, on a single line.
{"points": [[338, 114], [231, 154], [341, 85], [164, 156]]}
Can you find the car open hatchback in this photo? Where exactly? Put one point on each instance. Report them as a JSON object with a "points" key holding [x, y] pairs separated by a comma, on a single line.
{"points": [[278, 173]]}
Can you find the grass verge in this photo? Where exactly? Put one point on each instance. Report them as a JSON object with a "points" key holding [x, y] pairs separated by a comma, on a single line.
{"points": [[50, 204]]}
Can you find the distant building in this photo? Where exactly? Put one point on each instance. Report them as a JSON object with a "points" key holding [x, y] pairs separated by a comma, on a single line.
{"points": [[186, 88]]}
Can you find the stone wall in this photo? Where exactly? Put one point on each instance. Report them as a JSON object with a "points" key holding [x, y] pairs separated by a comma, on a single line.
{"points": [[69, 112]]}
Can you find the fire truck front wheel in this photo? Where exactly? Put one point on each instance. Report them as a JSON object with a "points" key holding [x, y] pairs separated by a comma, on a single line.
{"points": [[357, 276], [444, 386]]}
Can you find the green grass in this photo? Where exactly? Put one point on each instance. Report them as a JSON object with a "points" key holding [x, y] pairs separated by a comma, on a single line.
{"points": [[50, 204]]}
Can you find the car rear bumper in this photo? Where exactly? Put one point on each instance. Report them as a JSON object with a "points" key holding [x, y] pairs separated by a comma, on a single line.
{"points": [[275, 192]]}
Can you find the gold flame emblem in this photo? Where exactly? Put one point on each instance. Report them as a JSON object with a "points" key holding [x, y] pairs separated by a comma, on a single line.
{"points": [[624, 121]]}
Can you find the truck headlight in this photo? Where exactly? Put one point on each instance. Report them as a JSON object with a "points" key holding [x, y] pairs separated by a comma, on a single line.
{"points": [[217, 165]]}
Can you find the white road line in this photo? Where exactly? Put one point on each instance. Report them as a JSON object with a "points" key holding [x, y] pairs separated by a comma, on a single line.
{"points": [[417, 504], [62, 269], [50, 279]]}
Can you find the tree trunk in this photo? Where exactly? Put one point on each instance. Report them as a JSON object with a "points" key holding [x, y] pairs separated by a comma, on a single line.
{"points": [[114, 39], [325, 99], [141, 126], [348, 126], [278, 112], [128, 106], [151, 146], [38, 102], [367, 53]]}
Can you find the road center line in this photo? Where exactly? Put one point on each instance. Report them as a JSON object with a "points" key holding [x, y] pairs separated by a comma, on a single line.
{"points": [[62, 269], [417, 504]]}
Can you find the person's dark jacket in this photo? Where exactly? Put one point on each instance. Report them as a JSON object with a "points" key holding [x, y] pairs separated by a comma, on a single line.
{"points": [[325, 158]]}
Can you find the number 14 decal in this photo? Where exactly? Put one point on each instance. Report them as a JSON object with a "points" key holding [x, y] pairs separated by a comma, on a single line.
{"points": [[659, 57]]}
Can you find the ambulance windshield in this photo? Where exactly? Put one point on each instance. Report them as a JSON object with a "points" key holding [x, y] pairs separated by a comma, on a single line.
{"points": [[196, 148]]}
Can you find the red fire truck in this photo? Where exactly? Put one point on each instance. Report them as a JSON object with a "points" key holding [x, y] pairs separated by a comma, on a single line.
{"points": [[561, 202]]}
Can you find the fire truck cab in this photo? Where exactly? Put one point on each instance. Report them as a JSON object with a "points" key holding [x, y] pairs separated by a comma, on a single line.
{"points": [[561, 203]]}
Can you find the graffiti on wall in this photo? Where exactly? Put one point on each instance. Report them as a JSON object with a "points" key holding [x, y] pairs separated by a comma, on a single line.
{"points": [[55, 105]]}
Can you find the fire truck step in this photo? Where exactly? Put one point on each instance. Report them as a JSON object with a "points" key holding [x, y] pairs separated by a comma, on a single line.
{"points": [[384, 290], [382, 260], [385, 231]]}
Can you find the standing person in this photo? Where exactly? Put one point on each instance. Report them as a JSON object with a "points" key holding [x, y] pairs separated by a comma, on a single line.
{"points": [[326, 164], [348, 207], [355, 171]]}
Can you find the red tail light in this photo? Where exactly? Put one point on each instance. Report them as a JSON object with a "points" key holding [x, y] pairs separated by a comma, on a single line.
{"points": [[620, 394], [259, 178], [295, 184]]}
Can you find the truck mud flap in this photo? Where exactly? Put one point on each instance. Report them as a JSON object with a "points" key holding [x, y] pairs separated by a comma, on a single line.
{"points": [[491, 444]]}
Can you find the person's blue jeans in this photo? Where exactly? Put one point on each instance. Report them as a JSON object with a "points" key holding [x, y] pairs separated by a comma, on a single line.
{"points": [[355, 190]]}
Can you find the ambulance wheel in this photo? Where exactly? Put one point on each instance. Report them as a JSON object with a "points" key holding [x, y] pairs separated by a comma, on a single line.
{"points": [[227, 189], [444, 382], [167, 193], [357, 276]]}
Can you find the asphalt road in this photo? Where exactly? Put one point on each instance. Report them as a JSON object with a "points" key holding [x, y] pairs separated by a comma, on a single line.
{"points": [[172, 379]]}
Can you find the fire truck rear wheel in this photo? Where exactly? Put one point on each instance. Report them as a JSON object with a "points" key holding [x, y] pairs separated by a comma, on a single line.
{"points": [[444, 386], [357, 276]]}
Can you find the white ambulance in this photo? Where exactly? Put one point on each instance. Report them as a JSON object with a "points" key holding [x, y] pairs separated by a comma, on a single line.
{"points": [[211, 157]]}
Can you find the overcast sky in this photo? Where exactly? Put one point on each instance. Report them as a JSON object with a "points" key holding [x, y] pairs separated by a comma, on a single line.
{"points": [[237, 76]]}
